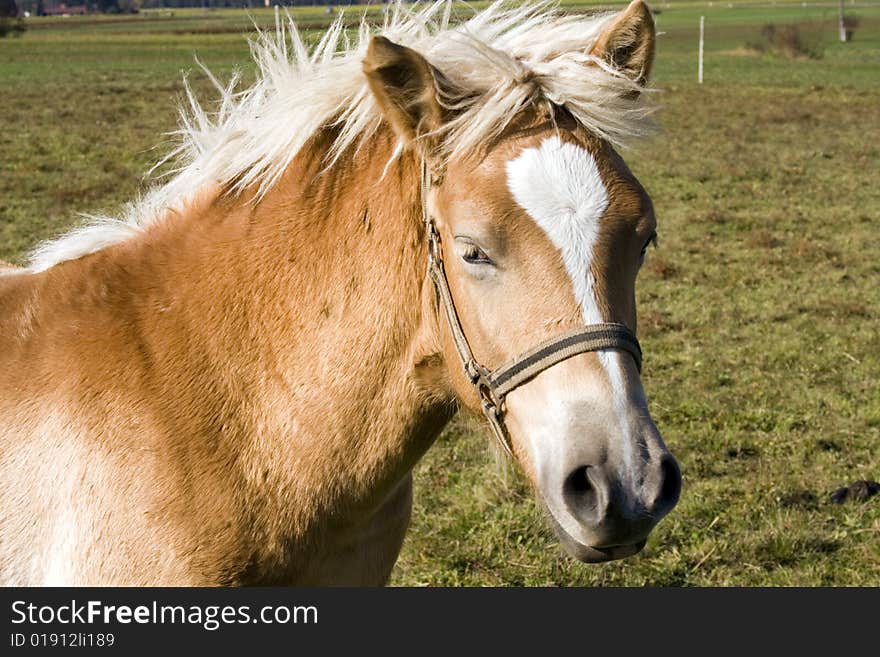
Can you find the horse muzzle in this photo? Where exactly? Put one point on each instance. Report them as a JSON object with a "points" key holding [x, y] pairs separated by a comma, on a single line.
{"points": [[596, 520]]}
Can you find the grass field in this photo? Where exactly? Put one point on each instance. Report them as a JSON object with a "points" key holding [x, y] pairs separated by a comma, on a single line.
{"points": [[758, 313]]}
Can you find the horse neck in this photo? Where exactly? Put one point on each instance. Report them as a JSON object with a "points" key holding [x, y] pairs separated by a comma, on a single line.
{"points": [[315, 329]]}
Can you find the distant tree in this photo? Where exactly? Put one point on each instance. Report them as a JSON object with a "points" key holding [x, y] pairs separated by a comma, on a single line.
{"points": [[108, 6], [8, 9], [129, 6]]}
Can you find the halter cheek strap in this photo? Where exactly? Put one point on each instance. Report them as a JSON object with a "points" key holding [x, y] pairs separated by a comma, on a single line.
{"points": [[494, 385]]}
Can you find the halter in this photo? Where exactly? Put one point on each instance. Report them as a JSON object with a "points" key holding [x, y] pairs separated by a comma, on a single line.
{"points": [[494, 385]]}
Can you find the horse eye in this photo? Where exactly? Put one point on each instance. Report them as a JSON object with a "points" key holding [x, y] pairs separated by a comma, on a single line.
{"points": [[475, 256]]}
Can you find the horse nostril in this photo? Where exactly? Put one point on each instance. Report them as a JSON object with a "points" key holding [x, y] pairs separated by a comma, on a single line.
{"points": [[670, 488], [578, 482], [580, 494]]}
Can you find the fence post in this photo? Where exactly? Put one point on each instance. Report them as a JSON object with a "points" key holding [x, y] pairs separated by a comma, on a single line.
{"points": [[700, 74]]}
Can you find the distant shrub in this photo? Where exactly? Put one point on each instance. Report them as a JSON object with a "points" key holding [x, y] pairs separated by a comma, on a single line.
{"points": [[787, 41], [850, 23], [13, 26]]}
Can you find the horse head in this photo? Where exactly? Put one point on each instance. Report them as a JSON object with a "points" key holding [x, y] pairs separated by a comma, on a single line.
{"points": [[541, 232]]}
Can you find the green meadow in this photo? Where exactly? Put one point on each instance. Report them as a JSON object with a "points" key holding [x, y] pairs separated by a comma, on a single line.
{"points": [[758, 313]]}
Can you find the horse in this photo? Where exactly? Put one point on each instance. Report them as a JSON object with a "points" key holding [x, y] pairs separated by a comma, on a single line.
{"points": [[231, 382]]}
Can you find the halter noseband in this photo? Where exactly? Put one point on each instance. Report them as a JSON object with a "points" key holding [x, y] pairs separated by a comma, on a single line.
{"points": [[494, 385]]}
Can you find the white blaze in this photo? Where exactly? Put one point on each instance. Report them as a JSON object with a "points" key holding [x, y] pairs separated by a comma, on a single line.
{"points": [[560, 187]]}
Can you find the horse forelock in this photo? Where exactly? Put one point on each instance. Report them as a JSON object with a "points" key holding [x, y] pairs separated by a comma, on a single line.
{"points": [[504, 60]]}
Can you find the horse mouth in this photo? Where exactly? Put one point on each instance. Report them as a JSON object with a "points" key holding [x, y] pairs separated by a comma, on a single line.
{"points": [[590, 554]]}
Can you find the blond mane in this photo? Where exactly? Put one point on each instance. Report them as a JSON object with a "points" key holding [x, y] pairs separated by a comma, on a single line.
{"points": [[499, 62]]}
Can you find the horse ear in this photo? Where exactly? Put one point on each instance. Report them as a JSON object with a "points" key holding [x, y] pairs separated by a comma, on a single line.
{"points": [[405, 86], [628, 42]]}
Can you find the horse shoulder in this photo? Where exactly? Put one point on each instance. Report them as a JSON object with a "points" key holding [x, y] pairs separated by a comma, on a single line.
{"points": [[76, 413]]}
